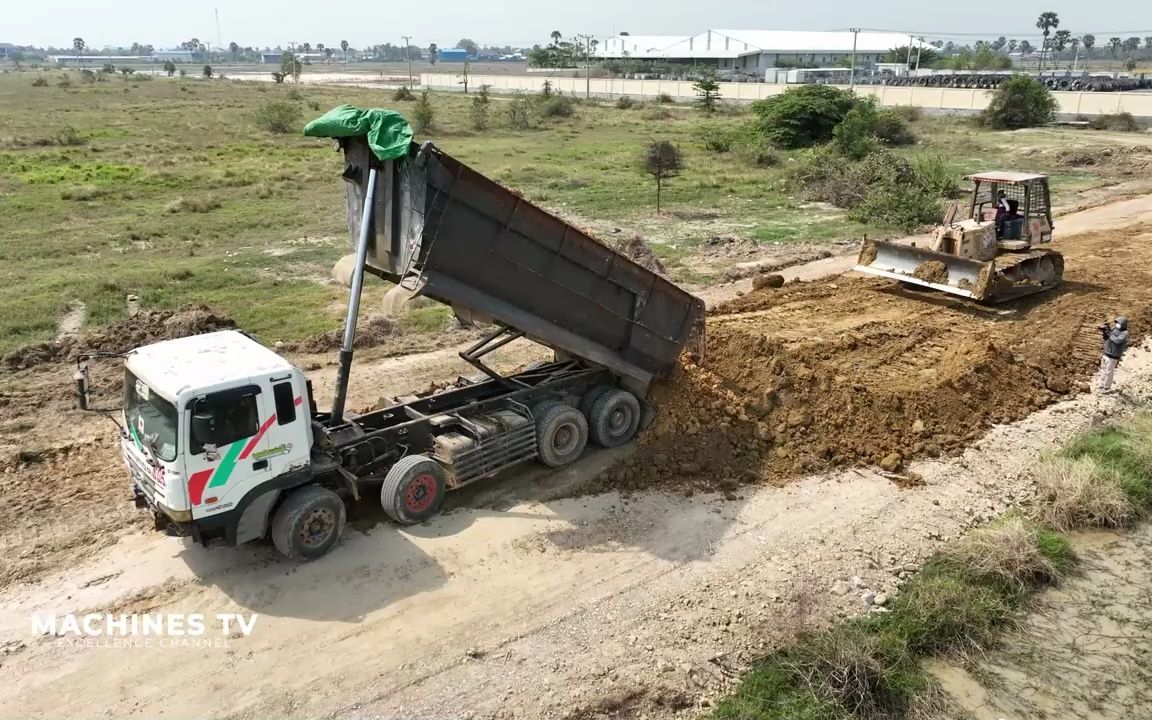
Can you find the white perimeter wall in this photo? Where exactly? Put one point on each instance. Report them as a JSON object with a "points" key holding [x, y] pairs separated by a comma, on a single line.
{"points": [[943, 99]]}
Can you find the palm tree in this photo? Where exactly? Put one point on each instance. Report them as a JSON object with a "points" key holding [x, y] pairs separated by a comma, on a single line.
{"points": [[1088, 41], [1046, 22], [78, 43], [306, 47], [234, 48], [433, 53], [1075, 44], [1060, 42], [556, 37], [344, 49], [1114, 44], [1012, 45]]}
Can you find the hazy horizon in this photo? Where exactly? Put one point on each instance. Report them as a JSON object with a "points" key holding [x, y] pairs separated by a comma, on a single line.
{"points": [[260, 23]]}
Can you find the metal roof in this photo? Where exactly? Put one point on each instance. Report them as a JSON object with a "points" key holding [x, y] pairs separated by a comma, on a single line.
{"points": [[736, 43], [1006, 176]]}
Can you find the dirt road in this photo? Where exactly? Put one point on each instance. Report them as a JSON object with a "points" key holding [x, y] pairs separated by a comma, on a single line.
{"points": [[520, 602]]}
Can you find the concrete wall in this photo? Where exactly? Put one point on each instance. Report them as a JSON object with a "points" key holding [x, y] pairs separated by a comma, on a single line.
{"points": [[932, 99]]}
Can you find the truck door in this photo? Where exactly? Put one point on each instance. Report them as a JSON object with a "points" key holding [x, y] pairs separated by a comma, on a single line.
{"points": [[225, 429], [287, 447]]}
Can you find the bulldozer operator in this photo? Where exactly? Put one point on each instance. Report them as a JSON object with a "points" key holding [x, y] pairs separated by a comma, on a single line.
{"points": [[1115, 338]]}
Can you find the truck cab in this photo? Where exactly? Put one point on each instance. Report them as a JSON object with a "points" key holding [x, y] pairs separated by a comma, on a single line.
{"points": [[216, 426]]}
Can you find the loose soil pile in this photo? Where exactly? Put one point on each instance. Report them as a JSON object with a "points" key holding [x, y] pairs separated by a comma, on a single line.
{"points": [[932, 271], [141, 329], [636, 249], [369, 333], [855, 371]]}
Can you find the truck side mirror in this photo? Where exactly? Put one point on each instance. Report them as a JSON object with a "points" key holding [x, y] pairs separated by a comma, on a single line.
{"points": [[202, 425]]}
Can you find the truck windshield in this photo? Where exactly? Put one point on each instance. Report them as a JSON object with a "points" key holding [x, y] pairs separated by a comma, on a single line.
{"points": [[150, 418]]}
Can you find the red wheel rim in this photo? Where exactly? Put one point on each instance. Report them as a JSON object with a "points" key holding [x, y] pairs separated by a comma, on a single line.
{"points": [[420, 493]]}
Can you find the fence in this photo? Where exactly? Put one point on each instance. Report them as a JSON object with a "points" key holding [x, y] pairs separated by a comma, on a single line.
{"points": [[939, 99]]}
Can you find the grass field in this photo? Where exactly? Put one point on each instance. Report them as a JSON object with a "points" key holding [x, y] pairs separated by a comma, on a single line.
{"points": [[169, 189]]}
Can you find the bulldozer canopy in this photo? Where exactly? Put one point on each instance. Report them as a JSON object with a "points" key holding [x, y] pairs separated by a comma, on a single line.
{"points": [[1004, 176], [388, 133]]}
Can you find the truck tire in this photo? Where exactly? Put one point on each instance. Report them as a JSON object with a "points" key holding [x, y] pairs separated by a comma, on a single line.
{"points": [[614, 418], [589, 399], [561, 433], [413, 490], [308, 523]]}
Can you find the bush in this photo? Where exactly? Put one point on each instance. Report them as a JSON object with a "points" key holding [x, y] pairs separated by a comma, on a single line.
{"points": [[519, 113], [87, 76], [899, 206], [907, 113], [854, 136], [64, 81], [717, 139], [657, 113], [403, 94], [195, 205], [278, 117], [40, 82], [478, 112], [892, 129], [423, 116], [313, 104], [1119, 122], [1013, 551], [664, 98], [803, 116], [935, 175], [757, 150], [70, 136], [1080, 493], [625, 103], [1019, 102], [556, 105]]}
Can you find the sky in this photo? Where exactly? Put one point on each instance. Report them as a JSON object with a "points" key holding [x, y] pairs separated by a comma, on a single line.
{"points": [[261, 23]]}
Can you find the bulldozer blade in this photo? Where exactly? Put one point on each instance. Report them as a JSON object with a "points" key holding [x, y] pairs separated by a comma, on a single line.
{"points": [[904, 263]]}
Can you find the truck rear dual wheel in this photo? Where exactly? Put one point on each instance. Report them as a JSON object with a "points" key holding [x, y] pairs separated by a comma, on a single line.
{"points": [[413, 490], [561, 433], [613, 415], [308, 523]]}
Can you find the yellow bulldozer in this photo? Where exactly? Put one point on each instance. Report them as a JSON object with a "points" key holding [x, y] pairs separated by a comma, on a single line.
{"points": [[999, 251]]}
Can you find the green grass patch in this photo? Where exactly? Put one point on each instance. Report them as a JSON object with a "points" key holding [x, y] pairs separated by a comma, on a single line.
{"points": [[871, 667], [1122, 452]]}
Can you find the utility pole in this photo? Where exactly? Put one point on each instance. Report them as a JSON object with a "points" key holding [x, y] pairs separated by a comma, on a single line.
{"points": [[408, 54], [908, 60], [919, 47], [587, 40], [852, 77]]}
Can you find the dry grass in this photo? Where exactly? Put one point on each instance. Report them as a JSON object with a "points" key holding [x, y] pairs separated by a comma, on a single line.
{"points": [[1013, 550], [1078, 493], [195, 205]]}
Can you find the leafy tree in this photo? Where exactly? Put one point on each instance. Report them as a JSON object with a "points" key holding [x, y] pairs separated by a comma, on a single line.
{"points": [[663, 161], [707, 91], [1131, 44], [344, 49], [1021, 101], [909, 53], [433, 53], [469, 45], [519, 113], [854, 137], [478, 113], [1046, 23], [170, 67], [1130, 64], [290, 66], [1061, 40], [423, 116], [207, 71], [803, 116], [17, 57], [1012, 45], [999, 43], [328, 54], [1026, 47], [462, 78]]}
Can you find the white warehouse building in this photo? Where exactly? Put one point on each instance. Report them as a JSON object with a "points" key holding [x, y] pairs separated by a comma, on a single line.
{"points": [[754, 51]]}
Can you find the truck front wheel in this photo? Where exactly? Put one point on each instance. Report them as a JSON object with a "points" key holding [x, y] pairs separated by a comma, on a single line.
{"points": [[561, 433], [308, 524], [413, 490]]}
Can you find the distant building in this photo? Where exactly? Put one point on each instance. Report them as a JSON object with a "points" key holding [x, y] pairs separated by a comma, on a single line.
{"points": [[175, 55], [754, 51], [272, 58], [95, 59], [7, 49], [455, 55]]}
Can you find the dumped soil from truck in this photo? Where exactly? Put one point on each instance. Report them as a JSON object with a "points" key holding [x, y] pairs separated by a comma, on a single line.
{"points": [[141, 329], [932, 271], [855, 371], [369, 333]]}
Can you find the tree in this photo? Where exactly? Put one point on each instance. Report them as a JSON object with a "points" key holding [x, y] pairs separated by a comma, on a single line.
{"points": [[1046, 22], [108, 68], [463, 77], [17, 57], [433, 53], [999, 43], [1060, 41], [290, 67], [1114, 45], [663, 161], [707, 91], [911, 53], [78, 45], [556, 37], [208, 71], [422, 114], [1148, 43], [1025, 47], [306, 47], [1088, 41], [1131, 44], [170, 67], [1021, 101], [344, 49], [479, 110], [328, 54], [855, 136], [1130, 64], [803, 116], [469, 45], [234, 49]]}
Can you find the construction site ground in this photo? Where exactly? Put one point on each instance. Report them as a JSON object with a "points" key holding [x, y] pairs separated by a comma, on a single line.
{"points": [[627, 585]]}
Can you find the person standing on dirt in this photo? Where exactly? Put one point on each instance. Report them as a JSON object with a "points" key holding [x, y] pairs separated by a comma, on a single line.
{"points": [[1115, 343]]}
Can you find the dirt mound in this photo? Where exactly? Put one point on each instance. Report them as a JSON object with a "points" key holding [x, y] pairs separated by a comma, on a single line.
{"points": [[849, 371], [636, 249], [932, 271], [141, 329], [369, 333]]}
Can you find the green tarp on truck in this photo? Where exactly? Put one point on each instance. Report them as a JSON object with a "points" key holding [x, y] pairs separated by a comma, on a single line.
{"points": [[388, 133]]}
